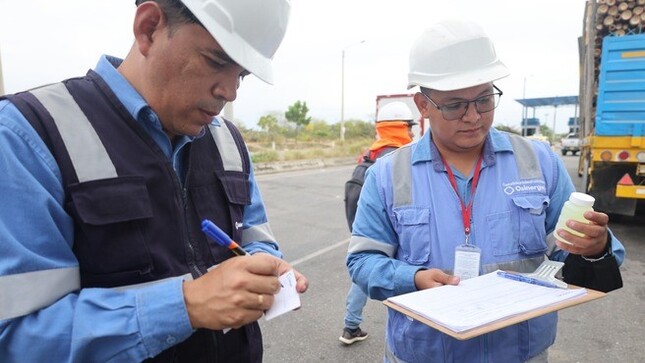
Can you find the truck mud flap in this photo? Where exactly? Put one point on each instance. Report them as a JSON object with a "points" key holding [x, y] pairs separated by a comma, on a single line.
{"points": [[602, 186]]}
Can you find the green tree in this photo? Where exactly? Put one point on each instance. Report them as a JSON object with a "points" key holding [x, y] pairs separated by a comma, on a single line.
{"points": [[297, 113], [268, 123], [547, 132], [318, 129], [359, 129]]}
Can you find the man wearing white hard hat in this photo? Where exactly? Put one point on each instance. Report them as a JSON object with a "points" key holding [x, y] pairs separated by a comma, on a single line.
{"points": [[466, 192], [394, 123], [108, 179]]}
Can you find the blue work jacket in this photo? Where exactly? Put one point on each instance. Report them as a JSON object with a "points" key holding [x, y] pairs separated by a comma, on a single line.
{"points": [[69, 247]]}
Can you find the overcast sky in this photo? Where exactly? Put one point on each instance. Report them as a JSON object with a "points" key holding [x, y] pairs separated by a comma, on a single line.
{"points": [[44, 41]]}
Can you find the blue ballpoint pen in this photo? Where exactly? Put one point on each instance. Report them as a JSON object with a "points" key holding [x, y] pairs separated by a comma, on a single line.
{"points": [[222, 239], [522, 278]]}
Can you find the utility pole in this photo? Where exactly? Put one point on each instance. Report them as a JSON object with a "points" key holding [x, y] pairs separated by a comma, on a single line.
{"points": [[555, 113], [1, 78], [524, 123], [342, 90]]}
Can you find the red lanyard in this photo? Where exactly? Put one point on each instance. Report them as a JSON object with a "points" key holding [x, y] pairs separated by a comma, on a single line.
{"points": [[466, 210]]}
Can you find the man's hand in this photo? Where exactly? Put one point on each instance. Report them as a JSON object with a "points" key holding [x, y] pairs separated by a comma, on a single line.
{"points": [[426, 279], [236, 292], [302, 284], [594, 241]]}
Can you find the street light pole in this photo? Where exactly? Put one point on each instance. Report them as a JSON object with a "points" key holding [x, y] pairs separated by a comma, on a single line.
{"points": [[524, 122], [555, 113], [1, 79], [525, 109], [342, 90]]}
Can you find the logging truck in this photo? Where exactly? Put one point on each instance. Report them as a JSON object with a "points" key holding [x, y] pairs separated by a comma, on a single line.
{"points": [[612, 105]]}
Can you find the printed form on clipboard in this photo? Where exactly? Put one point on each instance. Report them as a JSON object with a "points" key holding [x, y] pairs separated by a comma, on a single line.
{"points": [[483, 301]]}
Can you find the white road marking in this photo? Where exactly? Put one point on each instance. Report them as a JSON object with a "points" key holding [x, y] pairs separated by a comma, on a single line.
{"points": [[319, 252]]}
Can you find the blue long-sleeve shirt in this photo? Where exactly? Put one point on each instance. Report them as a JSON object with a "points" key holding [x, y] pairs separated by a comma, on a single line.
{"points": [[94, 324], [409, 218], [396, 277]]}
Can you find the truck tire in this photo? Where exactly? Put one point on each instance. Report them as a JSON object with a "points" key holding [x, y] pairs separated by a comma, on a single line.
{"points": [[564, 152]]}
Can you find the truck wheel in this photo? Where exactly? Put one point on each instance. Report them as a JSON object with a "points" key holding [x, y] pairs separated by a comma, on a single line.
{"points": [[564, 152]]}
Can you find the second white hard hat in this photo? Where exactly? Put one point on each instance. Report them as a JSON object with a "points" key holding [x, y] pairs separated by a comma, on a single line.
{"points": [[452, 55], [249, 31], [394, 111]]}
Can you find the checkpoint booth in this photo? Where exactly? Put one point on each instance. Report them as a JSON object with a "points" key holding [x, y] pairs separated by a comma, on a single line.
{"points": [[531, 124]]}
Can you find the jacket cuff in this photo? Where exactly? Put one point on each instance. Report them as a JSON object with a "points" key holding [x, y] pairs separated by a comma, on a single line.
{"points": [[405, 279], [162, 315]]}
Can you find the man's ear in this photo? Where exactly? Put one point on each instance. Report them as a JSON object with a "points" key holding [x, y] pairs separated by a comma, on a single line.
{"points": [[149, 20], [422, 104]]}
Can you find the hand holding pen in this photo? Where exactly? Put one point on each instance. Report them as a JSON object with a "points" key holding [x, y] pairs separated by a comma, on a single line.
{"points": [[221, 238], [236, 292]]}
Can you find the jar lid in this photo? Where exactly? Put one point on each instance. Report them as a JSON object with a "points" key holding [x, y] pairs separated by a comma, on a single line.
{"points": [[582, 199]]}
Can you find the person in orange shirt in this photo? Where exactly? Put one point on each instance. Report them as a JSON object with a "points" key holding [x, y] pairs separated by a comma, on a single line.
{"points": [[394, 124]]}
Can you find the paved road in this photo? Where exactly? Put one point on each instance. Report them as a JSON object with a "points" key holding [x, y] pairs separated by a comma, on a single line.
{"points": [[307, 216]]}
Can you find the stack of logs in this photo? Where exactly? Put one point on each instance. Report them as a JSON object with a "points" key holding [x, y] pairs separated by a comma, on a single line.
{"points": [[620, 17], [617, 17]]}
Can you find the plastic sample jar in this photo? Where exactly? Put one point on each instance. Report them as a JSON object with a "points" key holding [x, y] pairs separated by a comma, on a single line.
{"points": [[574, 208]]}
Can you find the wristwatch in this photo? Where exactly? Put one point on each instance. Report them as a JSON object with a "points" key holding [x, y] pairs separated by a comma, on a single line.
{"points": [[601, 257]]}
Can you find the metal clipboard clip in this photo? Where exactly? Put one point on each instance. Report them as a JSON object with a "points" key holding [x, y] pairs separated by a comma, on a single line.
{"points": [[546, 272]]}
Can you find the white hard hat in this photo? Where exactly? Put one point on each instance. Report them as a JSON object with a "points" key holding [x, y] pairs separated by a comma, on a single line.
{"points": [[249, 31], [394, 111], [453, 55]]}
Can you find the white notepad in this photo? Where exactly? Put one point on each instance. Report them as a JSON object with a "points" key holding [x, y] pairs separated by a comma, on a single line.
{"points": [[287, 299]]}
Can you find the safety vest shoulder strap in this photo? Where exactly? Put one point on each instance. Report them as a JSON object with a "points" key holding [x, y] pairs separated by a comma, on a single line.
{"points": [[227, 137], [526, 160], [87, 153]]}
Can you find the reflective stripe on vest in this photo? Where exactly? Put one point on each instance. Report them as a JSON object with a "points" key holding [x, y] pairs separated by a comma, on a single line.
{"points": [[261, 232], [27, 292], [225, 141], [525, 158], [88, 155], [359, 244], [523, 265], [402, 186]]}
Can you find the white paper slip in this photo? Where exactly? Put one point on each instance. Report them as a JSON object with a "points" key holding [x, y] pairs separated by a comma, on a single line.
{"points": [[287, 299]]}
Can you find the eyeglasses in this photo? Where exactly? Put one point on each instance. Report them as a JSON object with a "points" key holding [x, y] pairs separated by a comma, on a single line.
{"points": [[457, 110]]}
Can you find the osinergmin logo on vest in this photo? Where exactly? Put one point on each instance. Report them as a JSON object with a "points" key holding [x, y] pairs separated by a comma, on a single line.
{"points": [[524, 186]]}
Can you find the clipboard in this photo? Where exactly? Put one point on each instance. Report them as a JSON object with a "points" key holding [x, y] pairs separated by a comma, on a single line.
{"points": [[503, 323]]}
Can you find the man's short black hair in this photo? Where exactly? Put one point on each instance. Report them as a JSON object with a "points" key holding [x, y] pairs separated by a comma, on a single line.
{"points": [[175, 11]]}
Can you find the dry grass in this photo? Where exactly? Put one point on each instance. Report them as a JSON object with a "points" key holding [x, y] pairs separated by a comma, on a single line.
{"points": [[261, 153]]}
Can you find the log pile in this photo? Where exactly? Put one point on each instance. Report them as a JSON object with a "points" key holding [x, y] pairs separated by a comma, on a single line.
{"points": [[617, 17], [620, 17]]}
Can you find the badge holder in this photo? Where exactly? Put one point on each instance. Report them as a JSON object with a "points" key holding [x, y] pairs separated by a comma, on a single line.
{"points": [[547, 271], [467, 258]]}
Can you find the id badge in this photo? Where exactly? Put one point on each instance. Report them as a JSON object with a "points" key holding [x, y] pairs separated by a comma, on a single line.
{"points": [[467, 259]]}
